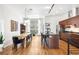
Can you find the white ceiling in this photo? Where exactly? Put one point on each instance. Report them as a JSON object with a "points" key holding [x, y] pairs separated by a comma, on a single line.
{"points": [[37, 9], [59, 9], [42, 9]]}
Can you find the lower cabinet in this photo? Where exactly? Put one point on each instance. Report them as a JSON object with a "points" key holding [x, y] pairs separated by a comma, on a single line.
{"points": [[74, 38], [54, 41]]}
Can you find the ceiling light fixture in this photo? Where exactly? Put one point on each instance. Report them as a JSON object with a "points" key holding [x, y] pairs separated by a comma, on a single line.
{"points": [[51, 8], [25, 18]]}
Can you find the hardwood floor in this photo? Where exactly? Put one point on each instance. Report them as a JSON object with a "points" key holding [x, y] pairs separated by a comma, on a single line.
{"points": [[35, 48]]}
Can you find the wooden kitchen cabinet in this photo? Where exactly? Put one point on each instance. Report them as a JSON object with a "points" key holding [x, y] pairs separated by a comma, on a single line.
{"points": [[74, 21], [54, 42]]}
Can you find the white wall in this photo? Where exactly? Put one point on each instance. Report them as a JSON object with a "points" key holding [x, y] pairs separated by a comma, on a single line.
{"points": [[27, 23], [54, 20], [39, 27], [10, 13], [2, 26], [42, 25]]}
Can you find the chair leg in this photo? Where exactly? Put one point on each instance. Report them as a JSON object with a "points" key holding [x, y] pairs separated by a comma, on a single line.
{"points": [[15, 46], [41, 41], [22, 44]]}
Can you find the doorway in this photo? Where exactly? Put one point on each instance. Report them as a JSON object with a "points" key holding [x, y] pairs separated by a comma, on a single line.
{"points": [[34, 26]]}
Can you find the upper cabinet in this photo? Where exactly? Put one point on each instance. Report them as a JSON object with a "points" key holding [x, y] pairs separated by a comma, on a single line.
{"points": [[71, 21], [64, 23]]}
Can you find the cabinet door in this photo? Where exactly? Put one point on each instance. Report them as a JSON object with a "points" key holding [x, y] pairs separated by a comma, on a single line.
{"points": [[63, 36], [54, 42]]}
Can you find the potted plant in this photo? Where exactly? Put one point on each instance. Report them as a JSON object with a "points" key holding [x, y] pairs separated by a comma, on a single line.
{"points": [[1, 41], [1, 38]]}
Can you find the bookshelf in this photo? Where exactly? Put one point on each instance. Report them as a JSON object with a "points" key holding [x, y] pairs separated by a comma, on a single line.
{"points": [[47, 28]]}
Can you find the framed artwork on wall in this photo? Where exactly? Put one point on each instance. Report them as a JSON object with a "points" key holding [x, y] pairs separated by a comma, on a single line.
{"points": [[14, 25]]}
